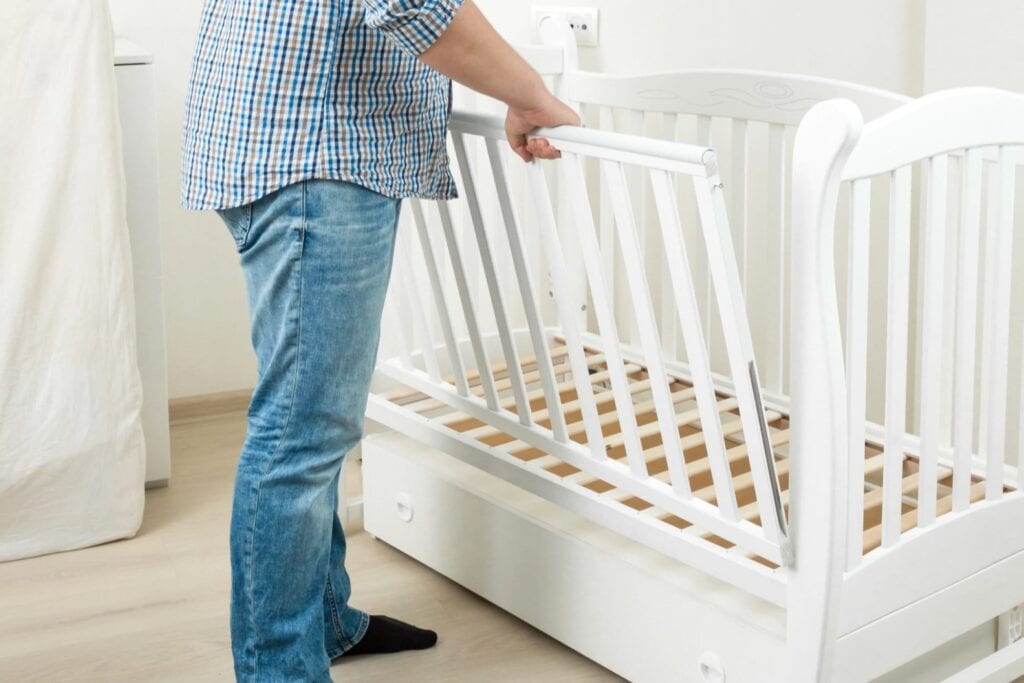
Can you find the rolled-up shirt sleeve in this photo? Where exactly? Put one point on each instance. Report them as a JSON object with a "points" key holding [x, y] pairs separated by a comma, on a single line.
{"points": [[414, 25]]}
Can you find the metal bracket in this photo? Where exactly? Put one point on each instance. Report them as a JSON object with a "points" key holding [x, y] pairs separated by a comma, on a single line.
{"points": [[769, 455]]}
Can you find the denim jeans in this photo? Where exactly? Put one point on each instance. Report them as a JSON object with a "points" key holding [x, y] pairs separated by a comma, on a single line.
{"points": [[317, 258]]}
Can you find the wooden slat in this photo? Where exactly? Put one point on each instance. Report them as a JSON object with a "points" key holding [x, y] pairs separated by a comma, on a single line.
{"points": [[643, 309], [776, 179], [494, 290], [574, 184], [652, 428], [856, 358], [739, 198], [525, 284], [567, 315], [440, 302], [462, 285], [704, 130], [697, 357], [932, 337], [873, 537], [966, 327], [996, 316], [896, 351], [609, 254], [575, 427], [732, 313], [670, 329]]}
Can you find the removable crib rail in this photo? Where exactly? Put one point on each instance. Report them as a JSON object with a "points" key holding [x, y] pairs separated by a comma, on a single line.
{"points": [[668, 433]]}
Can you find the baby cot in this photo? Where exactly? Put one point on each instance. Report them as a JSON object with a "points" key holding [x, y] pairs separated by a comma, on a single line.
{"points": [[527, 351]]}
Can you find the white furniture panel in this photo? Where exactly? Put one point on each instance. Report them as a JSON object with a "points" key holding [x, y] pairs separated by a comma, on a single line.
{"points": [[136, 87]]}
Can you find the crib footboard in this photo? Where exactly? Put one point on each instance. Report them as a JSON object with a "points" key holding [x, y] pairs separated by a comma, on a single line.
{"points": [[908, 523]]}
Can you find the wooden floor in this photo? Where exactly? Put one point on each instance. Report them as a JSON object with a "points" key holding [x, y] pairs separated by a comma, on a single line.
{"points": [[155, 608]]}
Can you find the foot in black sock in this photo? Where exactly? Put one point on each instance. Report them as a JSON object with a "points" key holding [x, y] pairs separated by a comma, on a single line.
{"points": [[385, 635]]}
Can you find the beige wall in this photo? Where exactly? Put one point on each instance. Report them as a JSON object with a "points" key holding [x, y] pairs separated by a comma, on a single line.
{"points": [[877, 42]]}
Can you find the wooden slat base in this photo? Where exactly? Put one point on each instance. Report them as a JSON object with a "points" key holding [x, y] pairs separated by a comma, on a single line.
{"points": [[693, 440]]}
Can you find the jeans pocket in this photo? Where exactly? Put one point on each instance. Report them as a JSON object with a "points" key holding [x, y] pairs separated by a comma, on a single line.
{"points": [[238, 220]]}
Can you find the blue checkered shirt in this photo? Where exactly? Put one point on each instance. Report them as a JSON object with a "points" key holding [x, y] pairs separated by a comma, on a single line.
{"points": [[287, 90]]}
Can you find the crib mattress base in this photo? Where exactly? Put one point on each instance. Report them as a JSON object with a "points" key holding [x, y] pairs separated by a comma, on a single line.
{"points": [[631, 609], [446, 418]]}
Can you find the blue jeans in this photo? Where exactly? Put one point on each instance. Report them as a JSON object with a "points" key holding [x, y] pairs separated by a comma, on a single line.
{"points": [[317, 258]]}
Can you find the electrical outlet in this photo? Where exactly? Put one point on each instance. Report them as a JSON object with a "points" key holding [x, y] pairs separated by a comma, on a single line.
{"points": [[1011, 626], [582, 20]]}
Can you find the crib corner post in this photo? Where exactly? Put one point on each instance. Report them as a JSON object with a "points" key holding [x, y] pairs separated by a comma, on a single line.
{"points": [[818, 452]]}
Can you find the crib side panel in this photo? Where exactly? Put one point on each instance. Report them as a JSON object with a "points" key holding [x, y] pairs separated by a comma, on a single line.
{"points": [[596, 399]]}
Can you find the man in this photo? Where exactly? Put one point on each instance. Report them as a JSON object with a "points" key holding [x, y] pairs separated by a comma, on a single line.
{"points": [[306, 122]]}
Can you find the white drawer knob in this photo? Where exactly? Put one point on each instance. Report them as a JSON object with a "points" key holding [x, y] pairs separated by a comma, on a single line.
{"points": [[711, 669], [403, 504]]}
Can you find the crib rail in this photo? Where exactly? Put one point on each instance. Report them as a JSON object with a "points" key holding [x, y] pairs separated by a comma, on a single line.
{"points": [[546, 372]]}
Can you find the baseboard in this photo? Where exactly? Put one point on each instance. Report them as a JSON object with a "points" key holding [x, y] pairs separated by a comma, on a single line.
{"points": [[189, 408]]}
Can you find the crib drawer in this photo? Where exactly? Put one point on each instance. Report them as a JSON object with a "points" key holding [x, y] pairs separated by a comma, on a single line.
{"points": [[629, 608]]}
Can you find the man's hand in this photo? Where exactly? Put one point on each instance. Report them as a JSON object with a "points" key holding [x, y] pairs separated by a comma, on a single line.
{"points": [[471, 52], [550, 113]]}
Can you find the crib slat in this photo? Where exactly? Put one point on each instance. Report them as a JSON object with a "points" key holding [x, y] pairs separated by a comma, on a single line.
{"points": [[739, 197], [693, 338], [996, 316], [440, 304], [670, 331], [609, 267], [575, 185], [732, 313], [896, 352], [508, 346], [932, 337], [966, 327], [704, 138], [646, 323], [856, 359], [411, 301], [566, 311], [777, 215], [532, 311], [483, 363]]}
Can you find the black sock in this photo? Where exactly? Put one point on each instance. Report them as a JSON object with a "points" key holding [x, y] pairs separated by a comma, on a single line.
{"points": [[385, 634]]}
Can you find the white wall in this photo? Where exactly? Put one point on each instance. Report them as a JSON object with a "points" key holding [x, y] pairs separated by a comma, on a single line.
{"points": [[207, 320], [974, 43], [877, 42]]}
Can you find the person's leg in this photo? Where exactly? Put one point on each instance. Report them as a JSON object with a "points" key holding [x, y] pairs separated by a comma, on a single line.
{"points": [[343, 627], [317, 259]]}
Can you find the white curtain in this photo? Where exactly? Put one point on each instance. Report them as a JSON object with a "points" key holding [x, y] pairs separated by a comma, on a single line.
{"points": [[72, 457]]}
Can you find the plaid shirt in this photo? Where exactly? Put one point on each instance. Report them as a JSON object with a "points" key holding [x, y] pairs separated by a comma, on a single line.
{"points": [[286, 90]]}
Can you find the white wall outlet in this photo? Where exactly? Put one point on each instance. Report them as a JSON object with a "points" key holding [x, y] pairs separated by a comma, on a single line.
{"points": [[1011, 626], [582, 20]]}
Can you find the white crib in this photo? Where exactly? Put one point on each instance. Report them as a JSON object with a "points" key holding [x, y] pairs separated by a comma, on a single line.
{"points": [[586, 335]]}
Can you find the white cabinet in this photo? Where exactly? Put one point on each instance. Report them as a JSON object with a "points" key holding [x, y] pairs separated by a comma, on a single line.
{"points": [[136, 86]]}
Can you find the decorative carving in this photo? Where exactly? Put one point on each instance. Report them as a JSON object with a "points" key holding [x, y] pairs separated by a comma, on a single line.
{"points": [[765, 95]]}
